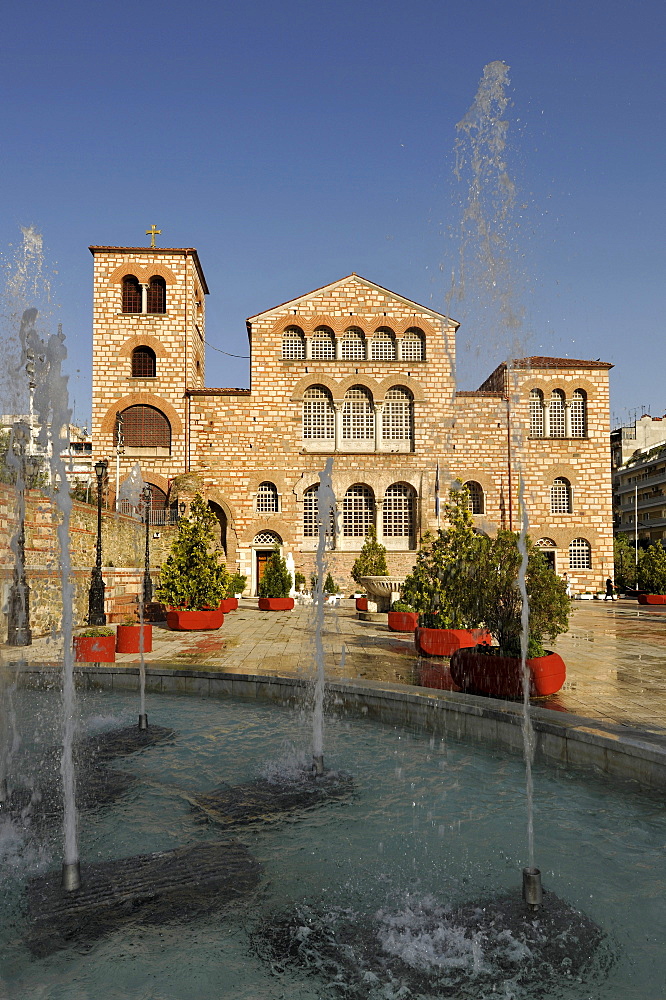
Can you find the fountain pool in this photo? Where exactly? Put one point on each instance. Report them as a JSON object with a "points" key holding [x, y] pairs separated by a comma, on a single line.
{"points": [[431, 822]]}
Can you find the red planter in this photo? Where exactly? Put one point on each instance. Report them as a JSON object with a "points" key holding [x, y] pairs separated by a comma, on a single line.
{"points": [[361, 603], [128, 638], [501, 676], [403, 621], [652, 598], [228, 604], [95, 649], [445, 641], [276, 603], [432, 675], [184, 620]]}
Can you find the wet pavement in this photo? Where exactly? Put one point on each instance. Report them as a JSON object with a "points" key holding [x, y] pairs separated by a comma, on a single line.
{"points": [[615, 655]]}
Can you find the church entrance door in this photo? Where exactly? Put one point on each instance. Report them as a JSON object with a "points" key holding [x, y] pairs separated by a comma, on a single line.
{"points": [[263, 555]]}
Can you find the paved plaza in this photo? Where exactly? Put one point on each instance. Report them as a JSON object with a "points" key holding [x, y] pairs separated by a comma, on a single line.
{"points": [[615, 655]]}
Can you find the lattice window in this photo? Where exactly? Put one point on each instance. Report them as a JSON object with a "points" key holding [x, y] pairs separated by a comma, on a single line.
{"points": [[412, 346], [580, 554], [143, 362], [293, 344], [267, 498], [397, 422], [358, 415], [398, 512], [579, 414], [536, 413], [358, 512], [557, 414], [353, 345], [131, 294], [560, 496], [383, 345], [267, 538], [157, 295], [323, 344], [311, 513], [475, 504], [145, 427], [546, 543], [318, 415]]}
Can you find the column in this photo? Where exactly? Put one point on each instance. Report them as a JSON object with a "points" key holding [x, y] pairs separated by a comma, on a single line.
{"points": [[144, 297], [379, 409], [546, 420], [379, 519], [567, 419], [398, 348], [338, 348], [339, 408], [308, 348]]}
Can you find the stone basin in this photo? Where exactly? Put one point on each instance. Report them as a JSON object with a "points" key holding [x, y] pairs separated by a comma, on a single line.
{"points": [[383, 590]]}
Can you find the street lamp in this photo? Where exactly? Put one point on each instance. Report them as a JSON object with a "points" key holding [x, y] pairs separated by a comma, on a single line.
{"points": [[182, 507], [147, 495], [96, 614]]}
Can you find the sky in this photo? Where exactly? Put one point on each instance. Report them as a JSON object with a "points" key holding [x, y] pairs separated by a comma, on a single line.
{"points": [[294, 143]]}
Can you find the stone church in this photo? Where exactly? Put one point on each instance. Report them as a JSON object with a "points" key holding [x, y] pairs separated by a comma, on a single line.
{"points": [[358, 373]]}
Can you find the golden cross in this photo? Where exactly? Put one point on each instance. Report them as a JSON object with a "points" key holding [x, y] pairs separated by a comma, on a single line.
{"points": [[153, 232]]}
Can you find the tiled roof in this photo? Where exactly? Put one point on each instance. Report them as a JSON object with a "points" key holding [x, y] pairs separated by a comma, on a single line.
{"points": [[478, 392], [217, 392], [538, 361]]}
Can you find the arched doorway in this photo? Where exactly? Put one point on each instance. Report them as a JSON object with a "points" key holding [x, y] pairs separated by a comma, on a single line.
{"points": [[222, 519], [548, 549], [263, 545]]}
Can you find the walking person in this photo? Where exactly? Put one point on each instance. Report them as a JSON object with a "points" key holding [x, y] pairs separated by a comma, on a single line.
{"points": [[609, 589]]}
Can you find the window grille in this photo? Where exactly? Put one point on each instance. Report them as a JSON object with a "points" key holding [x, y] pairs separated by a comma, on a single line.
{"points": [[145, 427], [293, 344], [267, 498], [323, 345], [358, 415], [143, 363], [560, 496], [267, 538], [412, 346], [358, 511], [383, 346], [353, 346], [580, 554], [397, 416], [557, 414], [546, 543], [475, 503], [157, 295], [398, 511], [536, 414], [318, 415], [131, 294], [578, 414], [311, 513]]}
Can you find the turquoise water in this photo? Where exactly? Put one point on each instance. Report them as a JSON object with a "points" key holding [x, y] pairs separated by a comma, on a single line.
{"points": [[429, 818]]}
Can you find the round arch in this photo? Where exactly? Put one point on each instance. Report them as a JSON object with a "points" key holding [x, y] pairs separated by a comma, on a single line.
{"points": [[108, 421]]}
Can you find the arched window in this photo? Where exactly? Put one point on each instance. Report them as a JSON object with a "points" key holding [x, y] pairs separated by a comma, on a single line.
{"points": [[397, 415], [311, 512], [267, 498], [144, 364], [557, 414], [353, 345], [536, 413], [398, 511], [358, 511], [145, 427], [358, 415], [323, 344], [293, 344], [383, 345], [131, 294], [579, 414], [318, 415], [412, 345], [475, 504], [157, 295], [560, 496], [267, 538], [580, 554]]}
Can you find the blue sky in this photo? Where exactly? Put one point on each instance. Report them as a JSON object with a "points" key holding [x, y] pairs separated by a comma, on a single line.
{"points": [[295, 143]]}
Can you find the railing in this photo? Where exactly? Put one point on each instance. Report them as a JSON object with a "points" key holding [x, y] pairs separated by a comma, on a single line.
{"points": [[158, 516]]}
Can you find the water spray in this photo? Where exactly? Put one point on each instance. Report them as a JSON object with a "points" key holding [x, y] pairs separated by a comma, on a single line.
{"points": [[318, 765], [71, 876], [143, 721], [532, 889]]}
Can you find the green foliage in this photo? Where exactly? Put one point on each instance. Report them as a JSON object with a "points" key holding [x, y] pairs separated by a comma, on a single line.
{"points": [[299, 580], [653, 570], [236, 584], [402, 606], [372, 558], [95, 633], [625, 562], [83, 494], [442, 581], [330, 586], [276, 581], [192, 576]]}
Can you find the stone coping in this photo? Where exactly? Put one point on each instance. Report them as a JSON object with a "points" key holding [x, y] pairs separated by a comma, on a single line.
{"points": [[618, 752]]}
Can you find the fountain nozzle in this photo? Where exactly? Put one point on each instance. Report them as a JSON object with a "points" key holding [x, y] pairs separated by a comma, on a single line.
{"points": [[4, 792], [71, 876], [532, 890], [143, 722], [318, 765]]}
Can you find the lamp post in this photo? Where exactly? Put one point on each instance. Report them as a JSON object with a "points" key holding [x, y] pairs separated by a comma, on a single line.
{"points": [[147, 495], [96, 614], [182, 507], [18, 604]]}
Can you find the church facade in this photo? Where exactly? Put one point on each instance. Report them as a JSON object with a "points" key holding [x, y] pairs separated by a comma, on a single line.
{"points": [[358, 374]]}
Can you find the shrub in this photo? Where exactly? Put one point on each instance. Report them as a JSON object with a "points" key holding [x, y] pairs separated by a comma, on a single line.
{"points": [[192, 576], [95, 633], [402, 606], [236, 585], [299, 580], [330, 586], [276, 581], [653, 570], [372, 558]]}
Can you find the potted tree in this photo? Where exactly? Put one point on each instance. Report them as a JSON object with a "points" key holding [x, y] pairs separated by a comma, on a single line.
{"points": [[371, 562], [134, 637], [275, 585], [653, 576], [95, 645], [402, 617], [192, 580], [235, 586], [492, 592]]}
